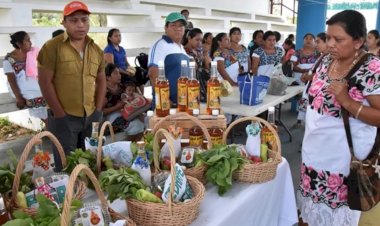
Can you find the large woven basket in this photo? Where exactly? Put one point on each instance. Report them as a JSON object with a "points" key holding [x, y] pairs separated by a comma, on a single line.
{"points": [[66, 218], [11, 203], [197, 172], [99, 152], [170, 214], [261, 172]]}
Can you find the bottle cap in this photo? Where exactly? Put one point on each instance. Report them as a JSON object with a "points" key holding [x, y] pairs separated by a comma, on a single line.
{"points": [[172, 111], [213, 63], [149, 113], [184, 62], [192, 64], [196, 111], [215, 112], [271, 109], [160, 63]]}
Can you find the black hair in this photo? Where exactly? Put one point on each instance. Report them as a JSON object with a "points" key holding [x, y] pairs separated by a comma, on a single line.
{"points": [[205, 36], [109, 69], [129, 83], [290, 36], [374, 33], [277, 35], [191, 33], [18, 37], [185, 11], [215, 44], [308, 34], [322, 36], [352, 22], [110, 33], [257, 32], [290, 43], [267, 34], [232, 30], [57, 32]]}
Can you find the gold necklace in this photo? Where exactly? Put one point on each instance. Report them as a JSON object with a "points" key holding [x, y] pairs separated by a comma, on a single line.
{"points": [[342, 78]]}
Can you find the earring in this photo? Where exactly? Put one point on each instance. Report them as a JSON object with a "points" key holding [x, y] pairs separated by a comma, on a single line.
{"points": [[356, 54]]}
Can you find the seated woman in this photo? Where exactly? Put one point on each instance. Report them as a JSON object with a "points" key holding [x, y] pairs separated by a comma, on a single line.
{"points": [[220, 52], [113, 105], [115, 54], [192, 43], [206, 43], [20, 66], [266, 56], [239, 51]]}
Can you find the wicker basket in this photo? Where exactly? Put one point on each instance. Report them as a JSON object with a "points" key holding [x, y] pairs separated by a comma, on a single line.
{"points": [[65, 217], [11, 201], [261, 172], [197, 172], [170, 214], [99, 152]]}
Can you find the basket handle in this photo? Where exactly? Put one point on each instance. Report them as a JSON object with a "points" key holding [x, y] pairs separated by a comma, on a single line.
{"points": [[262, 121], [100, 143], [156, 149], [187, 116], [65, 217], [24, 156]]}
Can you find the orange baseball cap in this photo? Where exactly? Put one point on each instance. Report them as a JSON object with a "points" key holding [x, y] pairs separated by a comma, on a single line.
{"points": [[74, 6]]}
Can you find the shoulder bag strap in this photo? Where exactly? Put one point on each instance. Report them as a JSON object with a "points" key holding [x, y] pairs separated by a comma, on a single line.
{"points": [[344, 111]]}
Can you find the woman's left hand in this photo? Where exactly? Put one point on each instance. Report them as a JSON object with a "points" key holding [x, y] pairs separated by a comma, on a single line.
{"points": [[340, 90]]}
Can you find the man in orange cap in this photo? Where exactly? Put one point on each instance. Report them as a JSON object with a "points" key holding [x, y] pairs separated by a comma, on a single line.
{"points": [[72, 80]]}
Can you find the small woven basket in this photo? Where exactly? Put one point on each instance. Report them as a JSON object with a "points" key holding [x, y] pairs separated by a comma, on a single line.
{"points": [[65, 217], [170, 214], [197, 172], [11, 203], [260, 172], [99, 152]]}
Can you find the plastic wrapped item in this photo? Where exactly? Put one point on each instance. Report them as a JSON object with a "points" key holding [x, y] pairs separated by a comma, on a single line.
{"points": [[278, 82], [182, 189], [253, 139], [141, 164]]}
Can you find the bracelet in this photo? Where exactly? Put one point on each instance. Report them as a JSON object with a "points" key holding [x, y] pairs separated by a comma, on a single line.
{"points": [[358, 111]]}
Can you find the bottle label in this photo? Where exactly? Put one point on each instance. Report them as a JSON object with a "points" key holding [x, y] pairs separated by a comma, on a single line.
{"points": [[214, 97], [162, 98], [196, 141], [187, 155], [182, 94], [267, 137], [216, 140], [193, 97]]}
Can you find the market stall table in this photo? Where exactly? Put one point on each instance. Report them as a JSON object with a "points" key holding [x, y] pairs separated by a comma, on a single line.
{"points": [[268, 204]]}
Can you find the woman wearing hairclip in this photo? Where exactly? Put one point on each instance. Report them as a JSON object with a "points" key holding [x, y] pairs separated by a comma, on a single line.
{"points": [[326, 158]]}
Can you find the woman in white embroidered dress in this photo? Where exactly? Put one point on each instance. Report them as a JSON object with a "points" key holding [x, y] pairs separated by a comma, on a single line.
{"points": [[322, 195]]}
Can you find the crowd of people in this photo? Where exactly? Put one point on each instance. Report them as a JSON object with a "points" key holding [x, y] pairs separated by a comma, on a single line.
{"points": [[81, 83]]}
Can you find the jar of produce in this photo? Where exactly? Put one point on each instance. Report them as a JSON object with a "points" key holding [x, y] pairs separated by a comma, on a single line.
{"points": [[196, 136]]}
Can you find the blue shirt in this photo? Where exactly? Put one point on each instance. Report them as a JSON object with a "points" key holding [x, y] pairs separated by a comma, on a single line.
{"points": [[119, 57], [171, 54]]}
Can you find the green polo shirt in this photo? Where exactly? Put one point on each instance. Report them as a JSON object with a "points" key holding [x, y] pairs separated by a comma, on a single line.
{"points": [[74, 77]]}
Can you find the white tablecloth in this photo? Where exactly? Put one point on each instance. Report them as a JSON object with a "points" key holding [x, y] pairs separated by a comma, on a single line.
{"points": [[268, 204]]}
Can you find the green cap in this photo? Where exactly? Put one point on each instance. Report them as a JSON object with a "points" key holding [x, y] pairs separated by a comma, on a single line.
{"points": [[175, 16]]}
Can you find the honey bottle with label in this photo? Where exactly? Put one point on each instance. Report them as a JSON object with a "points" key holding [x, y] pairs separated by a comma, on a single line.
{"points": [[196, 136], [182, 87], [267, 136], [213, 90], [161, 90], [215, 132], [193, 92]]}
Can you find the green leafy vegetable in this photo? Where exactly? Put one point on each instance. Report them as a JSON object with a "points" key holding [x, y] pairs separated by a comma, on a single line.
{"points": [[222, 161], [78, 156]]}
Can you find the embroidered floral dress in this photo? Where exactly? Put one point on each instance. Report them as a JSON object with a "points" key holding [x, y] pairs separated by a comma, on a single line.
{"points": [[322, 195], [28, 85], [243, 57], [267, 61]]}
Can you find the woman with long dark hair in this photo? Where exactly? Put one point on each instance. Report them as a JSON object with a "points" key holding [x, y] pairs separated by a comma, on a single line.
{"points": [[239, 51], [373, 42]]}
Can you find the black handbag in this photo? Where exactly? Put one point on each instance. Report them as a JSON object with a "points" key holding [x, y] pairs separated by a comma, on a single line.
{"points": [[364, 179]]}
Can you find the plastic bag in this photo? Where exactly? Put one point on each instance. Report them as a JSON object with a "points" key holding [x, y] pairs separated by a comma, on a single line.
{"points": [[253, 139], [278, 81]]}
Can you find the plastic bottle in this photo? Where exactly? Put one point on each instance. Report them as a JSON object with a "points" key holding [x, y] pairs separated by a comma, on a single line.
{"points": [[149, 115], [182, 88], [193, 92], [161, 90], [213, 90]]}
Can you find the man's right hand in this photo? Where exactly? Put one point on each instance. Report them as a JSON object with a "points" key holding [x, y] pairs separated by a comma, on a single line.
{"points": [[20, 102]]}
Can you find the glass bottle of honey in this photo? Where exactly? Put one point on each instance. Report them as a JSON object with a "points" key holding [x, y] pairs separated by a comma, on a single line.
{"points": [[215, 132], [182, 87], [267, 136], [196, 136], [193, 92], [213, 90], [161, 90]]}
